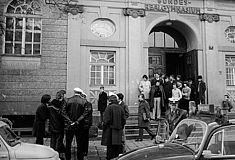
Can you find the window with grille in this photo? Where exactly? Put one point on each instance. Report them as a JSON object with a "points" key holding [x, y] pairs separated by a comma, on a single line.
{"points": [[23, 28], [230, 70], [102, 68]]}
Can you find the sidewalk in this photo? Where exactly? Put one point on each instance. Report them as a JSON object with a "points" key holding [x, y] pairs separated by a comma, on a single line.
{"points": [[96, 150]]}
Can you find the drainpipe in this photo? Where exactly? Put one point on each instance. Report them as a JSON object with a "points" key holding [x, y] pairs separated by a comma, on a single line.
{"points": [[205, 51]]}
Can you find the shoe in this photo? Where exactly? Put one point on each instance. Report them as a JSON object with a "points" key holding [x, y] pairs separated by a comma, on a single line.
{"points": [[137, 140]]}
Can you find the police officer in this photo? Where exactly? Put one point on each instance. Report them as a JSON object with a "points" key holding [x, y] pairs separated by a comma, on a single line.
{"points": [[75, 126]]}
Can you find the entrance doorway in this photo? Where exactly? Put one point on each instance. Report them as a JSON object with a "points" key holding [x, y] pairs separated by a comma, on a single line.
{"points": [[168, 53]]}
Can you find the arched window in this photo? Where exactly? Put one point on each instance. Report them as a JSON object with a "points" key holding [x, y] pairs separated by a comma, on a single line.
{"points": [[161, 39], [23, 28]]}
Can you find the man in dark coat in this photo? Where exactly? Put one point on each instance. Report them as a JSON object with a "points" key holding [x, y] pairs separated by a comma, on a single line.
{"points": [[74, 110], [201, 89], [42, 115], [193, 90], [114, 121], [87, 124], [157, 99], [144, 121], [56, 122], [102, 102], [168, 91]]}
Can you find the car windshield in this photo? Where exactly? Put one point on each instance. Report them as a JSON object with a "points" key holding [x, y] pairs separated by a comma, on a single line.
{"points": [[9, 136], [189, 132]]}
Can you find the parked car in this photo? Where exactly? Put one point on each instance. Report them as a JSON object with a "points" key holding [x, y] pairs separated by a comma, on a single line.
{"points": [[198, 138], [11, 148]]}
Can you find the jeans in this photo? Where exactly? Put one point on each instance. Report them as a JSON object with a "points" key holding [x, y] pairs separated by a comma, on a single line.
{"points": [[157, 107]]}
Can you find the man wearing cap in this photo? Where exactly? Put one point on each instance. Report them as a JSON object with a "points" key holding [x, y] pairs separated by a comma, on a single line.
{"points": [[87, 124], [174, 115], [201, 89], [74, 109]]}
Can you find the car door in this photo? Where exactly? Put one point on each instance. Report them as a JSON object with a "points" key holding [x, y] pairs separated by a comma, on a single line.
{"points": [[4, 154], [221, 144]]}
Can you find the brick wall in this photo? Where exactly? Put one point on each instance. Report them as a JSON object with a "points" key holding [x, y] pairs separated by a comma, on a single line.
{"points": [[24, 87]]}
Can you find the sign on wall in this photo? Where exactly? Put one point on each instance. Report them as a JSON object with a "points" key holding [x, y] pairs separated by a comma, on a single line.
{"points": [[179, 6]]}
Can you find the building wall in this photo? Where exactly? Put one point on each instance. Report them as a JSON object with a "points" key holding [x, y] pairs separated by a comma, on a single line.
{"points": [[67, 41], [24, 79]]}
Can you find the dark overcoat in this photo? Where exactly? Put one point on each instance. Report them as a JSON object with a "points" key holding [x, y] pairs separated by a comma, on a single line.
{"points": [[201, 92], [143, 108], [102, 101], [56, 120], [42, 114], [114, 121]]}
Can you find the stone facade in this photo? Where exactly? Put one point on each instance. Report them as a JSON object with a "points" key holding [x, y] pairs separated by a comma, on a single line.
{"points": [[68, 38]]}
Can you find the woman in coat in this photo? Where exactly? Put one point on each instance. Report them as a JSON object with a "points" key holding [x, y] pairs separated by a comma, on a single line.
{"points": [[42, 114], [143, 118], [114, 121]]}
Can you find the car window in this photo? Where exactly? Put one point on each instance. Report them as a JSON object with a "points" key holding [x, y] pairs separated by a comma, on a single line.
{"points": [[8, 135], [190, 132], [229, 140], [222, 142], [215, 144]]}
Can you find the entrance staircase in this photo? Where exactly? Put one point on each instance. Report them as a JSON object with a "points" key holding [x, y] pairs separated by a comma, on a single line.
{"points": [[132, 130]]}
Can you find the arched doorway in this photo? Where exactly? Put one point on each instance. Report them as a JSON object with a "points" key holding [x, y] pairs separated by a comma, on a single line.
{"points": [[170, 50]]}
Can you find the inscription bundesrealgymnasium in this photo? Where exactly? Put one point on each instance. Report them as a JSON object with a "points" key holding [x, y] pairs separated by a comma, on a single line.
{"points": [[179, 6]]}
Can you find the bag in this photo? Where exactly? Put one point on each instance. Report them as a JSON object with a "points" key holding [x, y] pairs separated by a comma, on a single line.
{"points": [[93, 132]]}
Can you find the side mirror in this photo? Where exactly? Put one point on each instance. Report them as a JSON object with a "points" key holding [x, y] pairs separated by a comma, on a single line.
{"points": [[207, 154]]}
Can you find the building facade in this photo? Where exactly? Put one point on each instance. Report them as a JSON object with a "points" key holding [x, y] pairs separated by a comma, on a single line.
{"points": [[48, 46]]}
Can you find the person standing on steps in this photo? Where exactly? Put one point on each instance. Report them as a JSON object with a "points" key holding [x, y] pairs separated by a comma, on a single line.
{"points": [[144, 118], [201, 90]]}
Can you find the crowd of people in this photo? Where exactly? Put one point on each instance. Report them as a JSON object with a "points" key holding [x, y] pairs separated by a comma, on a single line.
{"points": [[70, 116], [73, 117], [160, 88]]}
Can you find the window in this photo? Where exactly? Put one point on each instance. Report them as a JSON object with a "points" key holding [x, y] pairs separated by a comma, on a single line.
{"points": [[23, 28], [230, 70], [222, 142], [102, 68], [161, 39], [156, 59]]}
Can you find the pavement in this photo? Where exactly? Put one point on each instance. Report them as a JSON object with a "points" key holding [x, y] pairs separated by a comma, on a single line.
{"points": [[96, 151]]}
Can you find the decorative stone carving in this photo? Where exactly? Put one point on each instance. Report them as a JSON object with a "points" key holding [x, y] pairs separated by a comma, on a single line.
{"points": [[66, 7], [73, 9], [230, 34], [209, 17], [134, 12]]}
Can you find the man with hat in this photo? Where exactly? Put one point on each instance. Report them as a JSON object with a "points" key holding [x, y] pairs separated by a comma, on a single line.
{"points": [[74, 109], [174, 115]]}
